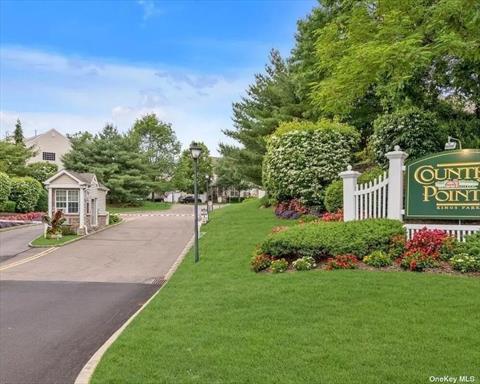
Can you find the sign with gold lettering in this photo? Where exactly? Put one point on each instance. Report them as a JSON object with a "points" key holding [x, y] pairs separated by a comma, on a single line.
{"points": [[445, 185]]}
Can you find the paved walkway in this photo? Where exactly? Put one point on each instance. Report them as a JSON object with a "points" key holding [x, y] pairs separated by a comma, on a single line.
{"points": [[58, 309]]}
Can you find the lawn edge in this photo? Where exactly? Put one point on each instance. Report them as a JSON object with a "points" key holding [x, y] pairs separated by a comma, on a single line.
{"points": [[76, 239], [19, 227], [85, 375]]}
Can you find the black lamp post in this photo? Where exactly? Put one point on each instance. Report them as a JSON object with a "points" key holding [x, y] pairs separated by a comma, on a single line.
{"points": [[195, 151]]}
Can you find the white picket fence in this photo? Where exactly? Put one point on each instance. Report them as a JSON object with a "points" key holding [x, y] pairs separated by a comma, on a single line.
{"points": [[456, 230], [383, 198], [371, 199]]}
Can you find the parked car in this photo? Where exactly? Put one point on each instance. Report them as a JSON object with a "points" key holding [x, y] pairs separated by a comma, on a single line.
{"points": [[188, 199]]}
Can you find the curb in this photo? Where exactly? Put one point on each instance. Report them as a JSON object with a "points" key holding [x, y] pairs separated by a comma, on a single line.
{"points": [[18, 227], [87, 371], [77, 238]]}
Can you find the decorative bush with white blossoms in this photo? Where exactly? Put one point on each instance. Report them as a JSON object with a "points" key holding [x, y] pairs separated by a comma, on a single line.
{"points": [[303, 158], [304, 263]]}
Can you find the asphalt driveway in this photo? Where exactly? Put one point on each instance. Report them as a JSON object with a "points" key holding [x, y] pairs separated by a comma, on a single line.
{"points": [[15, 241], [58, 309]]}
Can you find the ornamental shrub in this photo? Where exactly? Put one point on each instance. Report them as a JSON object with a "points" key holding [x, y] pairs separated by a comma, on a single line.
{"points": [[342, 262], [427, 241], [292, 209], [378, 259], [113, 218], [305, 263], [41, 170], [414, 130], [334, 196], [327, 239], [397, 246], [279, 266], [465, 263], [260, 262], [25, 192], [303, 158], [8, 206], [5, 187], [417, 261], [334, 192], [42, 202]]}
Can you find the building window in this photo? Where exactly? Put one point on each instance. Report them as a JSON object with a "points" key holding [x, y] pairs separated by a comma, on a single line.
{"points": [[50, 156], [67, 200]]}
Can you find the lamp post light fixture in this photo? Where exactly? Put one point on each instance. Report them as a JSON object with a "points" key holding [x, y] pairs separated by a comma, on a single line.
{"points": [[195, 151], [452, 143]]}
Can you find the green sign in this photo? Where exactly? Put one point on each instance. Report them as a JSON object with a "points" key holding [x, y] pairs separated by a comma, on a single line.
{"points": [[445, 185]]}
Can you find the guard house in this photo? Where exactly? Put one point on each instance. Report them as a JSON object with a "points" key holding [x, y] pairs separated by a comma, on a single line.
{"points": [[80, 197]]}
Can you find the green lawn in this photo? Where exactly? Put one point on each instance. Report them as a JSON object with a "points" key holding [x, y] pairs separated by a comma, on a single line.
{"points": [[144, 207], [53, 242], [218, 322]]}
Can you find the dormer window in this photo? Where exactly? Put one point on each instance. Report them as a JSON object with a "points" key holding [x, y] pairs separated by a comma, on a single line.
{"points": [[48, 156]]}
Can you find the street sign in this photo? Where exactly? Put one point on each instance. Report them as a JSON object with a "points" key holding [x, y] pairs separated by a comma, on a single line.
{"points": [[444, 185]]}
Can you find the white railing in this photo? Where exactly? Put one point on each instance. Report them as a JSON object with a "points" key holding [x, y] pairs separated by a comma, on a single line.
{"points": [[380, 198], [371, 199], [455, 230]]}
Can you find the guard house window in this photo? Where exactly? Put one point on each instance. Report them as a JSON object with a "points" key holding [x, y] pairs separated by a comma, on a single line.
{"points": [[67, 200], [48, 156]]}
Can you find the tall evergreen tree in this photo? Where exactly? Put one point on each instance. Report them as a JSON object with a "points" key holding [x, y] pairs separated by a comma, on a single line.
{"points": [[115, 160], [18, 133], [269, 101]]}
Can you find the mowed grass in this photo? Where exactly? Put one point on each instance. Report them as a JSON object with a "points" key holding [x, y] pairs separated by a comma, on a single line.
{"points": [[218, 322], [145, 206], [53, 242]]}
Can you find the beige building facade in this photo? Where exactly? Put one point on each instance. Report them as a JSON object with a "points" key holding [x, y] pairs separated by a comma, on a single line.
{"points": [[50, 147]]}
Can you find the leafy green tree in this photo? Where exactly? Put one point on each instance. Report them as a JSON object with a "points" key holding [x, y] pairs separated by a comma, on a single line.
{"points": [[18, 133], [413, 129], [13, 158], [184, 175], [396, 54], [115, 160], [157, 140], [228, 175], [41, 170], [269, 101]]}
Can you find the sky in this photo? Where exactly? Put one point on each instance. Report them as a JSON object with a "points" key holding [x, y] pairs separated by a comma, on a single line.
{"points": [[77, 65]]}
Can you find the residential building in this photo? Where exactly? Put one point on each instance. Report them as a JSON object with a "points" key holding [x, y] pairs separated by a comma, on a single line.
{"points": [[50, 147]]}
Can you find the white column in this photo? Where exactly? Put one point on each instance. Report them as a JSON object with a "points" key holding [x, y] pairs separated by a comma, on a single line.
{"points": [[349, 183], [81, 209], [395, 183], [50, 202]]}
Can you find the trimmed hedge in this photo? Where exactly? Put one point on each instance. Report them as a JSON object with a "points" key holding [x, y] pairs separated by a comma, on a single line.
{"points": [[302, 158], [25, 192], [5, 187], [8, 206], [321, 240]]}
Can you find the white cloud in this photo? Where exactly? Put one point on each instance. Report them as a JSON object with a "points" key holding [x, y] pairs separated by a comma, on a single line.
{"points": [[48, 90], [150, 9]]}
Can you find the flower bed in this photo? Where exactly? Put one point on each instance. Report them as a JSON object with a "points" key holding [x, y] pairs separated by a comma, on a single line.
{"points": [[380, 243], [30, 216]]}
